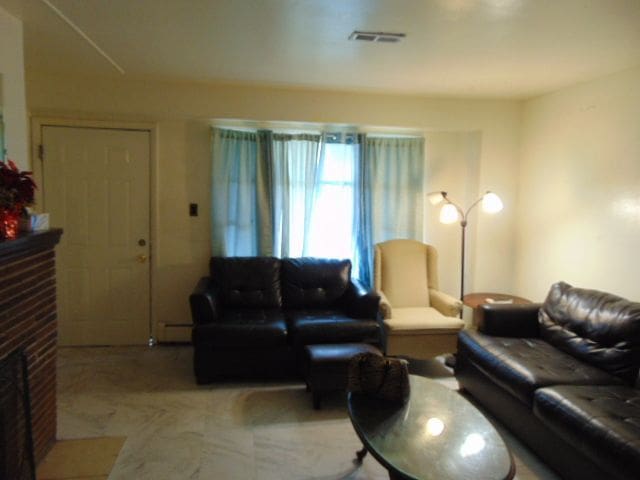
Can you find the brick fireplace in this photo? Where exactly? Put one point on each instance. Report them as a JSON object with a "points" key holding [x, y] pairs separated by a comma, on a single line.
{"points": [[28, 320]]}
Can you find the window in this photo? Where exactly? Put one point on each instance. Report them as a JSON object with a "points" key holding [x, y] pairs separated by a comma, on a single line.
{"points": [[321, 195]]}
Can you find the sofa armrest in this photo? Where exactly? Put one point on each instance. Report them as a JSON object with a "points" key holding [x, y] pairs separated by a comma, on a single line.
{"points": [[203, 303], [444, 303], [360, 302], [509, 320]]}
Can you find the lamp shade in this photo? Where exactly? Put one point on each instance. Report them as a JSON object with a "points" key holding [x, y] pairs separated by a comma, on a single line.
{"points": [[491, 203], [449, 214], [436, 197]]}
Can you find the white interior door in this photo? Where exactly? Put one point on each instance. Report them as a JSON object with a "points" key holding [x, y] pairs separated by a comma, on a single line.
{"points": [[96, 187]]}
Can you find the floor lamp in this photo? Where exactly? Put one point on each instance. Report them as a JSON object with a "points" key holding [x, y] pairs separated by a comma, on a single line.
{"points": [[452, 212]]}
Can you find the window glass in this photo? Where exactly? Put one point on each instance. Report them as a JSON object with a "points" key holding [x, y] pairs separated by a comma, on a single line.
{"points": [[332, 219]]}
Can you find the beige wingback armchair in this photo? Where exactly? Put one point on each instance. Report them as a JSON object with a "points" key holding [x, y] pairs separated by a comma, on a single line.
{"points": [[419, 320]]}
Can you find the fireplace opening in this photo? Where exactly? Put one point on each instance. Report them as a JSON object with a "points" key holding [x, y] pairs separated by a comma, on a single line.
{"points": [[16, 442]]}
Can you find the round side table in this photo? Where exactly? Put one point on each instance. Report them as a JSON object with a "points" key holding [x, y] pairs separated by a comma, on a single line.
{"points": [[474, 300]]}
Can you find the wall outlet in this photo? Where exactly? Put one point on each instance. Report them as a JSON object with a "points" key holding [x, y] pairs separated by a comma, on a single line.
{"points": [[193, 209]]}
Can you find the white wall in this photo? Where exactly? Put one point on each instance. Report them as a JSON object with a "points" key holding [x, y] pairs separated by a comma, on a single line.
{"points": [[13, 89], [448, 155], [458, 132], [579, 188]]}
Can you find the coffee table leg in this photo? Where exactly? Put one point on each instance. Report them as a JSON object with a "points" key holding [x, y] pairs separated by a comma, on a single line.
{"points": [[360, 454]]}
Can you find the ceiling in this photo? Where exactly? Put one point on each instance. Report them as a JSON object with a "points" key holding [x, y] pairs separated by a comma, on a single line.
{"points": [[468, 48]]}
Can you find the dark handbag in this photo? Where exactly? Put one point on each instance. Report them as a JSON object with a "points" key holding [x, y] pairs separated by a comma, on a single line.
{"points": [[381, 377]]}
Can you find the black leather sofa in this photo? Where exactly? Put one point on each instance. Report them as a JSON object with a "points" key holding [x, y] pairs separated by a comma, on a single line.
{"points": [[253, 315], [562, 376]]}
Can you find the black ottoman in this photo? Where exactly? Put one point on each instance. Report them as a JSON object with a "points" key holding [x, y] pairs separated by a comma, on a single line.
{"points": [[326, 366]]}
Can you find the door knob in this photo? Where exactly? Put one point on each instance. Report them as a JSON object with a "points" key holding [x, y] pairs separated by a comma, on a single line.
{"points": [[142, 258]]}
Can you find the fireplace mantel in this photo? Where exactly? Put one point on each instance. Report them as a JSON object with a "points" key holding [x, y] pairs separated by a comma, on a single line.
{"points": [[28, 319], [45, 240]]}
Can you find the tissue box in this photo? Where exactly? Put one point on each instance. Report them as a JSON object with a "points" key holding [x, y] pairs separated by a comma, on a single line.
{"points": [[35, 223]]}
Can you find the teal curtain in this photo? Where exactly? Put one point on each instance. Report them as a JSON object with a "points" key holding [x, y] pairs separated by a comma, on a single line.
{"points": [[363, 264], [234, 200], [264, 187], [264, 191], [391, 195]]}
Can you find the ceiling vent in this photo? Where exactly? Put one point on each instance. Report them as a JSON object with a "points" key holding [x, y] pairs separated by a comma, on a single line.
{"points": [[382, 37]]}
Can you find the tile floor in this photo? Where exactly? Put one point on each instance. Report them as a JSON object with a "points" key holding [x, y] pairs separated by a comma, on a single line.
{"points": [[178, 430]]}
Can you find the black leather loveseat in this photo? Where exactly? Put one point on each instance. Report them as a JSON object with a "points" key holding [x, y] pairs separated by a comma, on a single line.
{"points": [[253, 315], [563, 377]]}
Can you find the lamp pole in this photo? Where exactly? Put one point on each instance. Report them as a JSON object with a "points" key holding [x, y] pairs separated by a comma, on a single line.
{"points": [[463, 224]]}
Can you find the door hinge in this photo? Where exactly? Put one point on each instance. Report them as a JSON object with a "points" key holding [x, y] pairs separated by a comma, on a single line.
{"points": [[41, 152]]}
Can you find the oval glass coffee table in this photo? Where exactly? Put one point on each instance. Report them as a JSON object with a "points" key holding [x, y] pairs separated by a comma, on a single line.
{"points": [[437, 434]]}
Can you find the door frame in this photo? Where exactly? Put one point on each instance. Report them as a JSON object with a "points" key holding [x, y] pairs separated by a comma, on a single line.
{"points": [[38, 123]]}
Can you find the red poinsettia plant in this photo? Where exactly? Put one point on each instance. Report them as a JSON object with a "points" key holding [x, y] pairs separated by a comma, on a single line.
{"points": [[16, 187]]}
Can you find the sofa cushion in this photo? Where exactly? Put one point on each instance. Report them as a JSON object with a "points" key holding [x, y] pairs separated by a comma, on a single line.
{"points": [[522, 365], [596, 327], [308, 327], [314, 282], [246, 282], [421, 321], [244, 328], [603, 422]]}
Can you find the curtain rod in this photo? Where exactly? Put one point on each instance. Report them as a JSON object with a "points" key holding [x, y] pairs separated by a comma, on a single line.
{"points": [[314, 128]]}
